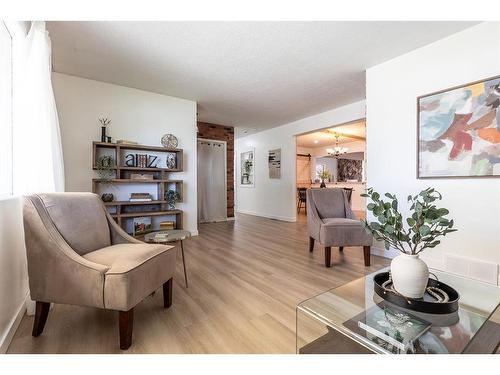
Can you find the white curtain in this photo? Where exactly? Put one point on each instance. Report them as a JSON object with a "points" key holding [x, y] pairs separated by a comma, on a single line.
{"points": [[212, 193], [37, 150]]}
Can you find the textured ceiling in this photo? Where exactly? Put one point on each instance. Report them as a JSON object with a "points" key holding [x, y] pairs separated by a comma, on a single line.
{"points": [[252, 75], [324, 138]]}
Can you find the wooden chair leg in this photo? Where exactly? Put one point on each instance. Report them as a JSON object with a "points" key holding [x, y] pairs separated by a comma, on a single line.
{"points": [[41, 313], [366, 253], [126, 323], [311, 244], [328, 256], [341, 248], [167, 293]]}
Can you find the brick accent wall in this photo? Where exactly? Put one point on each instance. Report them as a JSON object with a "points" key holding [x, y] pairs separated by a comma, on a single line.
{"points": [[222, 133]]}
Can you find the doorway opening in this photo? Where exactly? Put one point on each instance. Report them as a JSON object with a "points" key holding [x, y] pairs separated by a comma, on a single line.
{"points": [[333, 158]]}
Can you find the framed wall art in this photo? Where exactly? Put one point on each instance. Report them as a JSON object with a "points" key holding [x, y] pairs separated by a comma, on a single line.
{"points": [[458, 131], [247, 168], [274, 163]]}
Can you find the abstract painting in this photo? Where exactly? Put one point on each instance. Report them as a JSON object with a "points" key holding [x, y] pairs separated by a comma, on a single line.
{"points": [[274, 163], [349, 170], [459, 131]]}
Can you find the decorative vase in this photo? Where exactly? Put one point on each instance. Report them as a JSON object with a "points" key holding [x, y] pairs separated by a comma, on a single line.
{"points": [[171, 206], [322, 185], [409, 275], [103, 134], [107, 197]]}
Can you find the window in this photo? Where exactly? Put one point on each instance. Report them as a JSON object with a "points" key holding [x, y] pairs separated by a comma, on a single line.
{"points": [[5, 111]]}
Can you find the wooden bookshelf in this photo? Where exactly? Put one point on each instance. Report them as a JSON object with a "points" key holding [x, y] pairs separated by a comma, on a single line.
{"points": [[122, 176]]}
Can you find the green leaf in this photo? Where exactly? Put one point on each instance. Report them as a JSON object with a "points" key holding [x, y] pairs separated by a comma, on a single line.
{"points": [[375, 196], [382, 219], [424, 230], [409, 198], [370, 206], [389, 195], [410, 221], [395, 205], [389, 229], [443, 212]]}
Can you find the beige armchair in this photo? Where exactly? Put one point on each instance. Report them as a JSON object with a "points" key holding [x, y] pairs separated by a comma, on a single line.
{"points": [[78, 255], [331, 221]]}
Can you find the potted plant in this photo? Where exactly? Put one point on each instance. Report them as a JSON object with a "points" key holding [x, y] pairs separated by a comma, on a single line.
{"points": [[105, 166], [419, 231], [172, 197], [324, 175]]}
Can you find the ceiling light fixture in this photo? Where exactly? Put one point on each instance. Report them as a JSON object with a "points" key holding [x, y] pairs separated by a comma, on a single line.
{"points": [[337, 150], [316, 141]]}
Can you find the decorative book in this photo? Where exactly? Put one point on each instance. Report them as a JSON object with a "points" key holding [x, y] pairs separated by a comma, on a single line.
{"points": [[393, 329], [166, 225], [142, 225], [140, 197]]}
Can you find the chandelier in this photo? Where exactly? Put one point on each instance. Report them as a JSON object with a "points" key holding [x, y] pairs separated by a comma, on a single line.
{"points": [[337, 150]]}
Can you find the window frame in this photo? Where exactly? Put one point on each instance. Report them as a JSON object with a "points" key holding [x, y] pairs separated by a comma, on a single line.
{"points": [[7, 129]]}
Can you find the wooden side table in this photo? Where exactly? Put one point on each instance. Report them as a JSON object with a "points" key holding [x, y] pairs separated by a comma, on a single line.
{"points": [[169, 236]]}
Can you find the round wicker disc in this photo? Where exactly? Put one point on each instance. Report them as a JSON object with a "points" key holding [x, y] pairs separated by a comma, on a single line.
{"points": [[169, 141]]}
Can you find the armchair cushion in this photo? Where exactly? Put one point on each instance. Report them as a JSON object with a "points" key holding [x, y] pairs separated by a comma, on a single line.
{"points": [[344, 232], [89, 230], [329, 202], [135, 271]]}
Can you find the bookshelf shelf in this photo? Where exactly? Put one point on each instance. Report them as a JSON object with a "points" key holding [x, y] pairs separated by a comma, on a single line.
{"points": [[134, 181], [155, 213], [128, 203]]}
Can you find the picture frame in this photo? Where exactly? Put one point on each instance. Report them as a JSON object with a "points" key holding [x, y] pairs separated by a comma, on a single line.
{"points": [[246, 176], [274, 163], [458, 131]]}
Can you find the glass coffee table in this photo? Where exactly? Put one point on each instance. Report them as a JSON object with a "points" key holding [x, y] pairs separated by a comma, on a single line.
{"points": [[330, 322], [169, 236]]}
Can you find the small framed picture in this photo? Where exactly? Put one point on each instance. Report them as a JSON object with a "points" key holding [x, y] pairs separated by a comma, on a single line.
{"points": [[247, 168]]}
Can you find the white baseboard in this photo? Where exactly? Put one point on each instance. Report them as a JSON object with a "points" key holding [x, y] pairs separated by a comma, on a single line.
{"points": [[281, 218], [11, 329], [194, 232]]}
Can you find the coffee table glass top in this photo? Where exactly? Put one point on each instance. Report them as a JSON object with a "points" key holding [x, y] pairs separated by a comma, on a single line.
{"points": [[338, 310], [167, 235]]}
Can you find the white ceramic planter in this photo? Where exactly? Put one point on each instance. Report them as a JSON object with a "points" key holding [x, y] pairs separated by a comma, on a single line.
{"points": [[409, 275]]}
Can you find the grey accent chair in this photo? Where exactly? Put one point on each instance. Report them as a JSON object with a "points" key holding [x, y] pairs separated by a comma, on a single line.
{"points": [[78, 255], [331, 221]]}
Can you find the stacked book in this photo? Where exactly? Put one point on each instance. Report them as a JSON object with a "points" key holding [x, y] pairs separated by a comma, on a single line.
{"points": [[167, 225], [140, 197]]}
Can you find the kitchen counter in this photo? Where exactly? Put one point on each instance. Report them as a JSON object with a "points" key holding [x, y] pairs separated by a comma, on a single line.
{"points": [[358, 203]]}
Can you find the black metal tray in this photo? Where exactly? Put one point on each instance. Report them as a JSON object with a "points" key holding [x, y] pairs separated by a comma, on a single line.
{"points": [[426, 304]]}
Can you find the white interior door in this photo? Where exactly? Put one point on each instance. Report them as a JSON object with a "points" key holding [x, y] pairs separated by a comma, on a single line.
{"points": [[212, 193]]}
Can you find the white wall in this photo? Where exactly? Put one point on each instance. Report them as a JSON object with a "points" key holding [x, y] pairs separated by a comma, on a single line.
{"points": [[13, 271], [392, 89], [136, 115], [275, 198]]}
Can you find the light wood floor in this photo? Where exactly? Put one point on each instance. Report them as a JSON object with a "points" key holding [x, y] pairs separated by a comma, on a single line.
{"points": [[245, 279]]}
